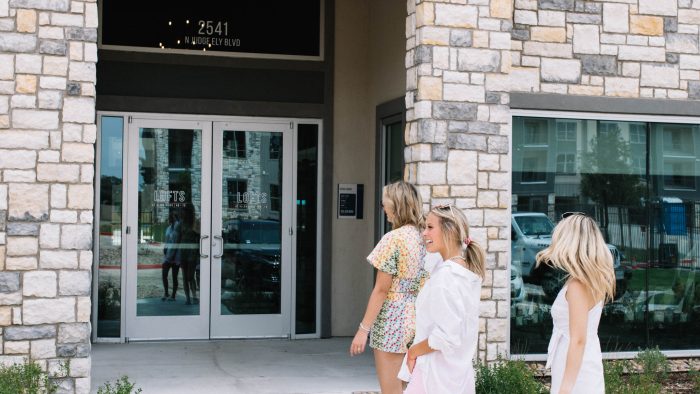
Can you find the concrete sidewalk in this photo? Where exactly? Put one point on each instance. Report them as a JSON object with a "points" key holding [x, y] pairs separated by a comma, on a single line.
{"points": [[237, 366]]}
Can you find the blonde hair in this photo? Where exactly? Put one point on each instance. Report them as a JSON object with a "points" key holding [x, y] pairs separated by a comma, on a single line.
{"points": [[405, 202], [579, 249], [455, 230]]}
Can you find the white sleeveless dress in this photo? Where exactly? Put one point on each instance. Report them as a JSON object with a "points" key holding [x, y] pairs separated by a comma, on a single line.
{"points": [[590, 378]]}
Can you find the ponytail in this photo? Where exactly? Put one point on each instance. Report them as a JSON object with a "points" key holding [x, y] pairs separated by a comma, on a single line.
{"points": [[474, 256]]}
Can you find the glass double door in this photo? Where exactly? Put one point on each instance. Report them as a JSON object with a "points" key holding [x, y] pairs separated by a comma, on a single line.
{"points": [[209, 229]]}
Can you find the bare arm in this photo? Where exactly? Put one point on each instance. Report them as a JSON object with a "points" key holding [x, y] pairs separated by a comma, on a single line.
{"points": [[417, 350], [374, 305], [580, 302]]}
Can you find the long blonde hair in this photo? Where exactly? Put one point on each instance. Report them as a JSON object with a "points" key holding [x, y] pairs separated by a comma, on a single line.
{"points": [[405, 202], [455, 230], [579, 249]]}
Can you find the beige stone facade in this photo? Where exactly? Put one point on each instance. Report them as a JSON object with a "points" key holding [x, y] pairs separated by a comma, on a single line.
{"points": [[460, 72], [463, 59], [47, 135]]}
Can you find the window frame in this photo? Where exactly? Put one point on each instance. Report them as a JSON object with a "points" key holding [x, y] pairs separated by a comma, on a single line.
{"points": [[621, 117]]}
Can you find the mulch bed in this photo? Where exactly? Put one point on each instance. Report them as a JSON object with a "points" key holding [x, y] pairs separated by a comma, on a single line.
{"points": [[678, 382]]}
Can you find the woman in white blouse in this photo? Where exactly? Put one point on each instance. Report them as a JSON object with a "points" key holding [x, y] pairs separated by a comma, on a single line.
{"points": [[447, 309]]}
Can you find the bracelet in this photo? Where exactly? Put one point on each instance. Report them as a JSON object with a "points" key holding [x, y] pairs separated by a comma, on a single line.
{"points": [[363, 328]]}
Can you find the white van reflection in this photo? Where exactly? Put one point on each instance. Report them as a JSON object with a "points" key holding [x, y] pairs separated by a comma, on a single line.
{"points": [[530, 233]]}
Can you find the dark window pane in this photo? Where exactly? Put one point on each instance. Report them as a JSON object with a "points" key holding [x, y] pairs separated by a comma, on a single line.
{"points": [[237, 196], [235, 144], [275, 147], [110, 231], [307, 188]]}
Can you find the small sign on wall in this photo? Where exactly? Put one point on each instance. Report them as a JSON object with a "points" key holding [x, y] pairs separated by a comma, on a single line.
{"points": [[350, 200]]}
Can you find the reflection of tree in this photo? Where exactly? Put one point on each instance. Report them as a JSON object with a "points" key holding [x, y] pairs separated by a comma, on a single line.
{"points": [[606, 174]]}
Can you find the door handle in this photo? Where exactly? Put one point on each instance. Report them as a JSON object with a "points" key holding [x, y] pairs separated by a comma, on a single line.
{"points": [[218, 237], [202, 255]]}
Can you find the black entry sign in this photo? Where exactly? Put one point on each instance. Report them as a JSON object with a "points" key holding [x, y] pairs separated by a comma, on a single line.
{"points": [[272, 27]]}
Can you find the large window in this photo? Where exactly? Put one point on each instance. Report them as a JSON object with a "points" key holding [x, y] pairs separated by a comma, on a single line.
{"points": [[640, 182]]}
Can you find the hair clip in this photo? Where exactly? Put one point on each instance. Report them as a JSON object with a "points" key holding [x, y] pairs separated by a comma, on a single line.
{"points": [[467, 241]]}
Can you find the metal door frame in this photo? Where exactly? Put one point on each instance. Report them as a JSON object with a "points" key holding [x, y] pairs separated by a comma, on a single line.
{"points": [[254, 325], [129, 117], [180, 326]]}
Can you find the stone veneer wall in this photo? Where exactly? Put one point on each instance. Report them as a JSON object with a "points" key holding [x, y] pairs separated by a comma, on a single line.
{"points": [[615, 48], [47, 133], [465, 56], [457, 132]]}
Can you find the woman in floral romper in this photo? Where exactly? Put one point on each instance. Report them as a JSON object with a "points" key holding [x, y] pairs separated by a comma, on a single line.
{"points": [[398, 257]]}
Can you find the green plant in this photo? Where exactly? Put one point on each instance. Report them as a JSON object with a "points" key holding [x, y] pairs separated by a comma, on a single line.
{"points": [[507, 376], [654, 364], [695, 376], [121, 386], [614, 372], [26, 378], [621, 377]]}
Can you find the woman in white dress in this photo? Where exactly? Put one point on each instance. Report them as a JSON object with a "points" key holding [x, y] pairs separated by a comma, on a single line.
{"points": [[447, 309], [574, 351]]}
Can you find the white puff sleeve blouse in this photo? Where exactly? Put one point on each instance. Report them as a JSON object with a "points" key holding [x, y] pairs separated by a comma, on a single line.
{"points": [[447, 314]]}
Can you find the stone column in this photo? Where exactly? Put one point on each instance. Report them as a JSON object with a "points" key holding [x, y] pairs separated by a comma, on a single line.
{"points": [[458, 132], [47, 134]]}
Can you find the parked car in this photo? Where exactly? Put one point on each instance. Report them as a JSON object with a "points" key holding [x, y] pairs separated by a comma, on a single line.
{"points": [[530, 233], [252, 258]]}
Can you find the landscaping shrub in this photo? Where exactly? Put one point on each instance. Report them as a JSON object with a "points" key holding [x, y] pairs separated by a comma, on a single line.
{"points": [[26, 378], [654, 364], [121, 386], [695, 375], [621, 377], [507, 376]]}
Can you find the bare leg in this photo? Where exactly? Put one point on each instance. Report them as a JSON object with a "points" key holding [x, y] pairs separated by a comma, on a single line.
{"points": [[166, 268], [388, 365], [176, 272]]}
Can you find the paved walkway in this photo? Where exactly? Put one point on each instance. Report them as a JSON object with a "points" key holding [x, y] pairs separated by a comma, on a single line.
{"points": [[237, 366]]}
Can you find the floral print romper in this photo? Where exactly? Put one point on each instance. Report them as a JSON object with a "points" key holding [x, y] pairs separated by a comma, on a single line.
{"points": [[399, 253]]}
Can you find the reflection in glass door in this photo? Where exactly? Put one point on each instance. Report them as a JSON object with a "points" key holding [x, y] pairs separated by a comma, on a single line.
{"points": [[167, 270], [251, 264]]}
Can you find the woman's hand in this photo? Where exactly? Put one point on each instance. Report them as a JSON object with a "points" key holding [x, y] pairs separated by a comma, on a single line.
{"points": [[358, 343], [411, 358], [410, 363]]}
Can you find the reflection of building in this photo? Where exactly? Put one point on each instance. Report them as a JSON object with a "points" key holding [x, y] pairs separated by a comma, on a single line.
{"points": [[251, 167], [638, 180], [178, 171]]}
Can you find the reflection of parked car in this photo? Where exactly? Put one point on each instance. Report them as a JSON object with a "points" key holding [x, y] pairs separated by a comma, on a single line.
{"points": [[251, 261], [532, 232], [517, 288], [665, 307]]}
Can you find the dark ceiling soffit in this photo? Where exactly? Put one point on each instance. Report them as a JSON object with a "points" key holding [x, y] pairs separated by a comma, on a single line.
{"points": [[208, 107]]}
